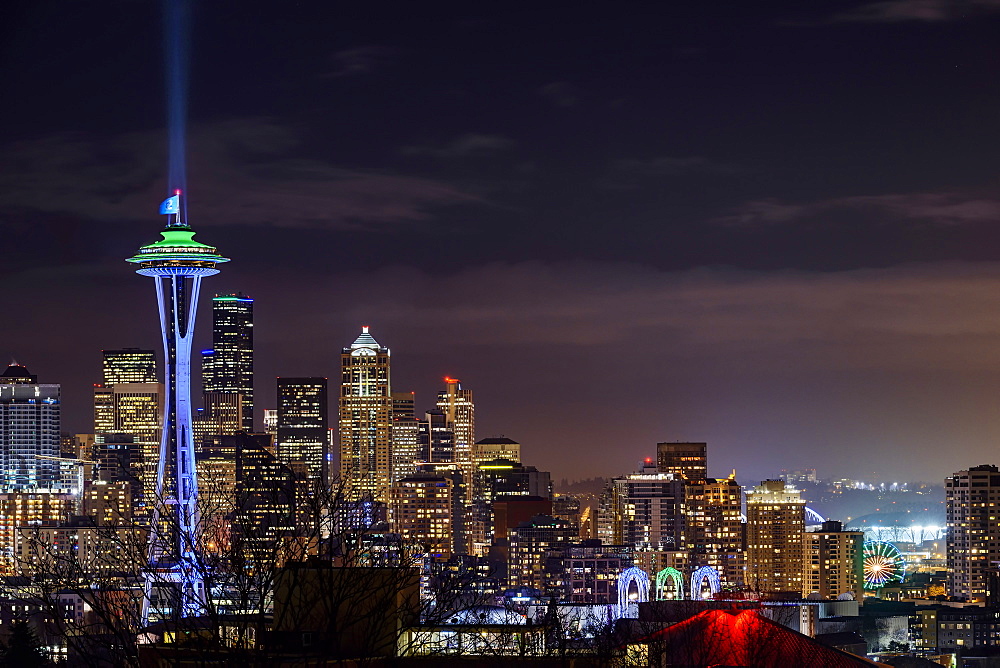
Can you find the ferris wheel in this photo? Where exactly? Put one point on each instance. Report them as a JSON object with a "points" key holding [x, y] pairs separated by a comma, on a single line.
{"points": [[884, 565]]}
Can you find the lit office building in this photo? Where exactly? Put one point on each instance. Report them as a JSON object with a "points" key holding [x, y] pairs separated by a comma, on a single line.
{"points": [[529, 544], [495, 448], [227, 368], [688, 461], [405, 436], [713, 524], [365, 419], [29, 431], [587, 572], [436, 439], [303, 426], [644, 508], [834, 562], [27, 508], [223, 415], [135, 409], [271, 421], [972, 504], [460, 412], [265, 502], [775, 528], [129, 365]]}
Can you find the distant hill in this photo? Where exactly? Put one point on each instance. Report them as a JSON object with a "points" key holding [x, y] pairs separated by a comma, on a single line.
{"points": [[588, 486]]}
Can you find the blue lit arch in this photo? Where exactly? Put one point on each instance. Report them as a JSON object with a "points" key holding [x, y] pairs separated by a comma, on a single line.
{"points": [[625, 580], [699, 576]]}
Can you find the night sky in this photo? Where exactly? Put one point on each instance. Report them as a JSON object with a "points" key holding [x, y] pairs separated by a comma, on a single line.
{"points": [[774, 230]]}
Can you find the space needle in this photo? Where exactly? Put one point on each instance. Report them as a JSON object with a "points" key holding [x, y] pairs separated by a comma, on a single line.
{"points": [[174, 583]]}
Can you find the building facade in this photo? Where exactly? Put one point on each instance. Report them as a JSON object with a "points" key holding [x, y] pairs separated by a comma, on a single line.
{"points": [[834, 562], [302, 442], [775, 528], [29, 431], [227, 367], [365, 424], [972, 504], [688, 461]]}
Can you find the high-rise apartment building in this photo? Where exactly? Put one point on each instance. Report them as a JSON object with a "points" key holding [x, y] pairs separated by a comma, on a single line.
{"points": [[834, 562], [29, 431], [714, 526], [421, 511], [530, 542], [972, 504], [129, 365], [227, 367], [365, 419], [775, 527], [303, 426], [645, 508], [688, 461]]}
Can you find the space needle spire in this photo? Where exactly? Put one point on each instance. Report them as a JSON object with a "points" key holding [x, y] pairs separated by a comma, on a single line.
{"points": [[177, 263]]}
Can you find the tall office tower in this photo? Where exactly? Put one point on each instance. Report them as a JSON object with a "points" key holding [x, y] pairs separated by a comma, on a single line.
{"points": [[405, 436], [437, 440], [222, 415], [835, 562], [714, 527], [129, 365], [227, 367], [266, 494], [776, 522], [495, 448], [646, 508], [176, 263], [135, 409], [503, 477], [460, 412], [971, 503], [303, 423], [688, 461], [29, 431], [271, 421], [365, 419]]}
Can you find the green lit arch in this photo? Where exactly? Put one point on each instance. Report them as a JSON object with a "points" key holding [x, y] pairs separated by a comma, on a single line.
{"points": [[661, 580]]}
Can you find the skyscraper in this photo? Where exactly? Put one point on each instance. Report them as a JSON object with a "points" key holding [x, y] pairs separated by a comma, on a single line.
{"points": [[29, 431], [303, 427], [228, 366], [129, 365], [776, 523], [176, 263], [687, 461], [460, 413], [972, 503], [834, 562], [405, 436], [646, 508], [365, 419], [713, 526]]}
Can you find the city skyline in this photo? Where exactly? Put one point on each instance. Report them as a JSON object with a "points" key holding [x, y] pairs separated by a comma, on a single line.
{"points": [[769, 229]]}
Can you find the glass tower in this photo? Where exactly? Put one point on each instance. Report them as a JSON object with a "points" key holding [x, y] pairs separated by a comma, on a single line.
{"points": [[177, 263], [228, 366]]}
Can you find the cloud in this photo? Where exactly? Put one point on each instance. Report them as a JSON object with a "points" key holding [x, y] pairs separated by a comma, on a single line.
{"points": [[936, 208], [242, 172], [560, 93], [467, 145], [360, 60], [897, 11]]}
